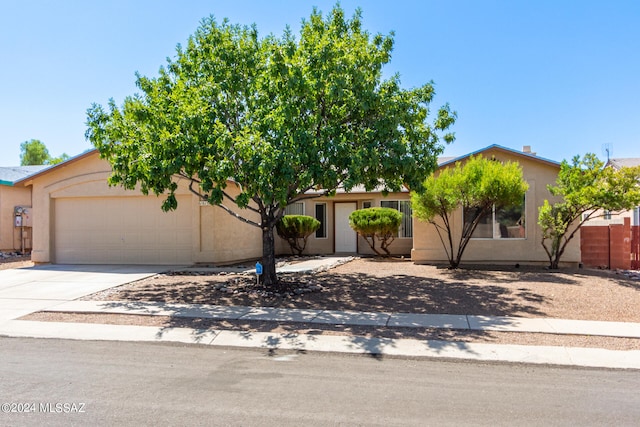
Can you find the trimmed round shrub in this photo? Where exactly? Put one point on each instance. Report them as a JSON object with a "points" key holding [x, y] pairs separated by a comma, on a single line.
{"points": [[295, 229], [380, 224]]}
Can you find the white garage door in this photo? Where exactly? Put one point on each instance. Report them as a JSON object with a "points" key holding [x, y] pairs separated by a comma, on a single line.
{"points": [[121, 230]]}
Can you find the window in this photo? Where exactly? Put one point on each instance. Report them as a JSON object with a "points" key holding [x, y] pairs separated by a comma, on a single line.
{"points": [[606, 215], [505, 223], [367, 204], [321, 215], [404, 206], [296, 208]]}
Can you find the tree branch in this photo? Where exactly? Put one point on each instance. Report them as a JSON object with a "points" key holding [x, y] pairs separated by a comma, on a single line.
{"points": [[197, 193], [306, 197], [228, 196], [444, 245], [241, 218]]}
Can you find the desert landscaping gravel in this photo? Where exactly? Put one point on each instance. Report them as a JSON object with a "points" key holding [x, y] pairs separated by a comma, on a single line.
{"points": [[392, 285]]}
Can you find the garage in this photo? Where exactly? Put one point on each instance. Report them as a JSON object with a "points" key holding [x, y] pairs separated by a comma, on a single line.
{"points": [[121, 230]]}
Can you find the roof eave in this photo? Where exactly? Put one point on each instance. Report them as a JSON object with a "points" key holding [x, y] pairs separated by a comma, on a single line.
{"points": [[501, 148], [27, 180]]}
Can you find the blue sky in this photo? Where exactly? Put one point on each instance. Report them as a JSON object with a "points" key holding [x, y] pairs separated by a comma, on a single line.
{"points": [[560, 76]]}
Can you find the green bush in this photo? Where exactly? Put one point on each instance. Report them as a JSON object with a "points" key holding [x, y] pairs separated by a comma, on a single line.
{"points": [[296, 229], [376, 223]]}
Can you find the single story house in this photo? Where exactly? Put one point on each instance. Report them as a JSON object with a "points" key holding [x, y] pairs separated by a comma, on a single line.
{"points": [[79, 219], [15, 234], [505, 237]]}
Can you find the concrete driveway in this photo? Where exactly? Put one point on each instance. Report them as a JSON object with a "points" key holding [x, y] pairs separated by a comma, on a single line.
{"points": [[26, 290]]}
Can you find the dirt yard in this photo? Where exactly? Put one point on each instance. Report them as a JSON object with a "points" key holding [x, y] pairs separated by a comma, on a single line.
{"points": [[370, 284]]}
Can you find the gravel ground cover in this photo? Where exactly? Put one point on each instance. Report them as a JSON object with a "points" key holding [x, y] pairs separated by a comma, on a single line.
{"points": [[392, 285]]}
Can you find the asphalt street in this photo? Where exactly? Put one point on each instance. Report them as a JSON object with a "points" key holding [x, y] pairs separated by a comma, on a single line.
{"points": [[59, 382]]}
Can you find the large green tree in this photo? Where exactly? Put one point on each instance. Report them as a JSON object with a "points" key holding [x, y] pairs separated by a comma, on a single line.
{"points": [[34, 152], [277, 115], [585, 188], [478, 186]]}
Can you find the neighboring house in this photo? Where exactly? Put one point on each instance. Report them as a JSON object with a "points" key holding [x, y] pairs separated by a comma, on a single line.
{"points": [[79, 219], [606, 217], [612, 239], [505, 237], [13, 237]]}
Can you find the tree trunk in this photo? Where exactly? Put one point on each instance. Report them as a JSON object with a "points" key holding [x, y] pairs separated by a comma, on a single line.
{"points": [[269, 277], [371, 241], [556, 253]]}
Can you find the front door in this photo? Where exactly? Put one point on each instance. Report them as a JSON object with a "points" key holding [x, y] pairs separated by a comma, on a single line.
{"points": [[345, 238]]}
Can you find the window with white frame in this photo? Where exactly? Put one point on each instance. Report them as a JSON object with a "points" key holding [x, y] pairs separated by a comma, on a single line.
{"points": [[321, 215], [606, 215], [505, 223], [367, 204], [296, 208], [404, 207]]}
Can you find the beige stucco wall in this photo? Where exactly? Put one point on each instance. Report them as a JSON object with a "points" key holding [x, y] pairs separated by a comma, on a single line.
{"points": [[216, 237], [10, 235], [400, 246], [225, 239], [616, 218], [427, 247]]}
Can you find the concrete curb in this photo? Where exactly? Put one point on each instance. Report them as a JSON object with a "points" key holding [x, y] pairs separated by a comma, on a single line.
{"points": [[406, 320], [583, 357]]}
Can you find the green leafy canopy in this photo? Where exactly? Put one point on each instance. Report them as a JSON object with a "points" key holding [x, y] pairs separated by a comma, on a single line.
{"points": [[376, 224], [296, 229], [277, 115], [476, 186], [35, 152], [297, 226], [585, 187]]}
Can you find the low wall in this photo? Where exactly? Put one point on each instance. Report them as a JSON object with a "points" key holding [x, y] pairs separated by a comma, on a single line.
{"points": [[607, 246]]}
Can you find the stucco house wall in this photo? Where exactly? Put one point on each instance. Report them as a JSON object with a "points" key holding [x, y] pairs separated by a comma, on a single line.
{"points": [[14, 238], [538, 173], [11, 197], [335, 229], [78, 218]]}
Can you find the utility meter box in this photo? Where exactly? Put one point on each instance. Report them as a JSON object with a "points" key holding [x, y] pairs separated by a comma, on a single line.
{"points": [[27, 217], [23, 216]]}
